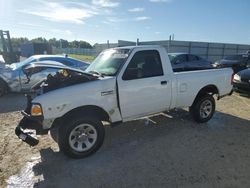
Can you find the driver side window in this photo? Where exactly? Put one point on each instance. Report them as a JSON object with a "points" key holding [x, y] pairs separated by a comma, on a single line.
{"points": [[144, 64]]}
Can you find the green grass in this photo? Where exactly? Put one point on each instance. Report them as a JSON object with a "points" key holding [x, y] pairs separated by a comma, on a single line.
{"points": [[82, 57]]}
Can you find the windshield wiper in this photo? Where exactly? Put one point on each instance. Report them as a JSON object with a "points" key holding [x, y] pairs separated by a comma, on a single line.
{"points": [[97, 73]]}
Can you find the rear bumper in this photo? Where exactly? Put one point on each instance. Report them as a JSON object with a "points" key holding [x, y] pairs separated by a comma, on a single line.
{"points": [[220, 97]]}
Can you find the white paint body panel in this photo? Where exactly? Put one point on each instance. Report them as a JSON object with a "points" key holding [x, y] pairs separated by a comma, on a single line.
{"points": [[137, 98], [141, 97], [190, 83], [58, 102]]}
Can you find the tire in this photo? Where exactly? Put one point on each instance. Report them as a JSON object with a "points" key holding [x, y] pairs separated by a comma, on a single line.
{"points": [[54, 134], [81, 136], [203, 108], [3, 88]]}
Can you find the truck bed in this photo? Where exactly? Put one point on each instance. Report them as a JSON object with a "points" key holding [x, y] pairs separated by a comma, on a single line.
{"points": [[189, 83]]}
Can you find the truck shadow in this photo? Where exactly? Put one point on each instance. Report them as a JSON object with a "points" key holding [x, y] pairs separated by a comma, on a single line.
{"points": [[141, 152]]}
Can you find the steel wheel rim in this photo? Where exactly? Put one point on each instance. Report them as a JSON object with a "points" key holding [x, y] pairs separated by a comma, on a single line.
{"points": [[206, 108], [83, 137]]}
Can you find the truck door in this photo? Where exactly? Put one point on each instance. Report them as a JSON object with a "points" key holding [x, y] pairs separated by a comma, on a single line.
{"points": [[142, 85]]}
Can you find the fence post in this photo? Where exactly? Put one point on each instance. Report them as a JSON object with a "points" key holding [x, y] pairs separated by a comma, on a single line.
{"points": [[223, 50], [207, 49], [137, 42], [108, 43]]}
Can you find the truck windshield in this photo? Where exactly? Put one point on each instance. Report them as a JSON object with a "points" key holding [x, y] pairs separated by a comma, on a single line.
{"points": [[109, 62]]}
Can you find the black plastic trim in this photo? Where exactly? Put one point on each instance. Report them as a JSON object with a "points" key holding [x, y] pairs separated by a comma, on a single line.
{"points": [[30, 117]]}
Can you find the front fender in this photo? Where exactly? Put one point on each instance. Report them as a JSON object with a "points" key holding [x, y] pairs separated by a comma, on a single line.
{"points": [[58, 102]]}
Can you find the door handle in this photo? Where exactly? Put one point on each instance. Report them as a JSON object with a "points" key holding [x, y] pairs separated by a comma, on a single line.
{"points": [[164, 82]]}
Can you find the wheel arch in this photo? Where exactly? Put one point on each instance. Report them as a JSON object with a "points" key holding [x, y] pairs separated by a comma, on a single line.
{"points": [[209, 89], [90, 110]]}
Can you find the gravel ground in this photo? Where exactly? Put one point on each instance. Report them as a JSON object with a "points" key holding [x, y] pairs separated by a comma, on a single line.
{"points": [[170, 151]]}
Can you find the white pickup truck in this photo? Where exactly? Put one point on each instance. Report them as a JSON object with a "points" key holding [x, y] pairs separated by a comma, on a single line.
{"points": [[120, 85]]}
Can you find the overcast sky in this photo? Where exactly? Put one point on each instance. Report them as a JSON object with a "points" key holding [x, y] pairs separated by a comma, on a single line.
{"points": [[97, 21]]}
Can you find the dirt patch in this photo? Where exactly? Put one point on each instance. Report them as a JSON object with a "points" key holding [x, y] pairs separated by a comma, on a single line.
{"points": [[13, 153], [169, 150]]}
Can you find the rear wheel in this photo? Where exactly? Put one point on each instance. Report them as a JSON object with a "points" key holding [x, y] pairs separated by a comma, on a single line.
{"points": [[81, 136], [203, 108]]}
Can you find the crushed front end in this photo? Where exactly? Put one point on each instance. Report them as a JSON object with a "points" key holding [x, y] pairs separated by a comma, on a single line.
{"points": [[33, 117], [30, 122]]}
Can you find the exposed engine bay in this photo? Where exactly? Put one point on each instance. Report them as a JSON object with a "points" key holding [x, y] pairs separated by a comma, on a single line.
{"points": [[60, 78]]}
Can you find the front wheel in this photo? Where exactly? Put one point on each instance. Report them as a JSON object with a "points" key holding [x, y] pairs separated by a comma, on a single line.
{"points": [[81, 136], [203, 108]]}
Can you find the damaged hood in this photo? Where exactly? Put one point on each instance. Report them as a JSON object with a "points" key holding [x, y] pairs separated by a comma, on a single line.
{"points": [[61, 76], [7, 73], [50, 64], [2, 65]]}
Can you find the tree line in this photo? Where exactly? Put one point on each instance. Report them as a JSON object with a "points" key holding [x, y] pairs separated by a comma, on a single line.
{"points": [[58, 43]]}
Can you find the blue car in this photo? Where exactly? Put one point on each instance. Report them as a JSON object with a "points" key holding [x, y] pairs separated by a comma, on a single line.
{"points": [[68, 61], [188, 62], [14, 79]]}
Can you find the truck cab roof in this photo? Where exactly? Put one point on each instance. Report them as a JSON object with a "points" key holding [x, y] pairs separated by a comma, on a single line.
{"points": [[141, 46]]}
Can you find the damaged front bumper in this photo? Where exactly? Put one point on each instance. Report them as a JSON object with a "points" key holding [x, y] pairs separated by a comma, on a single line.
{"points": [[30, 123]]}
